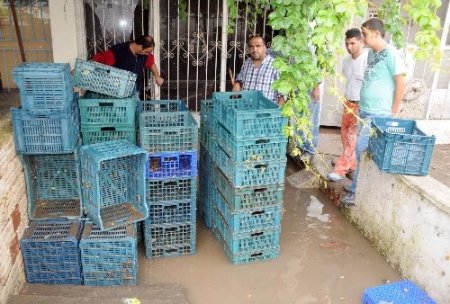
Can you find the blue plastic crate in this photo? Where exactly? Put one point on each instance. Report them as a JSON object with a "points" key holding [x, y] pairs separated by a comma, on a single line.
{"points": [[402, 292], [164, 239], [248, 114], [247, 220], [50, 252], [110, 257], [247, 174], [172, 212], [167, 131], [104, 79], [398, 146], [248, 150], [206, 202], [46, 133], [256, 255], [113, 183], [97, 109], [53, 185], [249, 241], [44, 87], [173, 189], [244, 198], [93, 134], [171, 165]]}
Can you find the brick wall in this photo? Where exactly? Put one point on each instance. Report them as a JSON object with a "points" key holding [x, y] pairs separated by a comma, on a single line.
{"points": [[13, 217]]}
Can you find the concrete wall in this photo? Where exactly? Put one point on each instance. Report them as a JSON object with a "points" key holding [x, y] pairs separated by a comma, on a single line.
{"points": [[408, 219], [13, 213]]}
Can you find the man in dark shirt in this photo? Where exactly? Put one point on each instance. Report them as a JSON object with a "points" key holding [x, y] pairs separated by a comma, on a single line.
{"points": [[133, 56]]}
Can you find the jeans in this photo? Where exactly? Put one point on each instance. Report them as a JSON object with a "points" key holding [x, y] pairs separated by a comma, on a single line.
{"points": [[310, 145], [363, 141]]}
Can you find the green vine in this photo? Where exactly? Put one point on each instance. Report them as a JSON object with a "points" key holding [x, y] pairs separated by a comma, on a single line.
{"points": [[390, 13]]}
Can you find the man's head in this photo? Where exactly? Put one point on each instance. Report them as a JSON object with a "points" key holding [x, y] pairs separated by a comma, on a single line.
{"points": [[353, 41], [144, 45], [257, 48], [373, 32]]}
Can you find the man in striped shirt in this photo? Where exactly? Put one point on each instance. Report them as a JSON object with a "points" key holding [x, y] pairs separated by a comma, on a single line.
{"points": [[257, 72]]}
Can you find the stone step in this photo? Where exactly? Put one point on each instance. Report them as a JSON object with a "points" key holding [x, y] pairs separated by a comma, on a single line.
{"points": [[158, 294]]}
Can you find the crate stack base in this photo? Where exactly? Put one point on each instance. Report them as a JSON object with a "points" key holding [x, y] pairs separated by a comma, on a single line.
{"points": [[50, 252], [169, 133], [247, 149], [109, 258]]}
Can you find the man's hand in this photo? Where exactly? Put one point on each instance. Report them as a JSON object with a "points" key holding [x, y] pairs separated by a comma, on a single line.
{"points": [[400, 88], [236, 87], [315, 94], [159, 80]]}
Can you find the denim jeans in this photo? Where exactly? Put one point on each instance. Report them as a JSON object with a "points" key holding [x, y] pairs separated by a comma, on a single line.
{"points": [[310, 145], [363, 141]]}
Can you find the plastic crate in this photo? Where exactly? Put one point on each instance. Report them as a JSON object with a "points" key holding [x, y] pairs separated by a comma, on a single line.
{"points": [[53, 185], [44, 87], [171, 165], [244, 198], [46, 133], [92, 134], [166, 238], [172, 212], [247, 174], [113, 183], [402, 292], [96, 109], [104, 79], [398, 146], [50, 252], [255, 149], [168, 131], [251, 220], [256, 255], [205, 196], [250, 241], [248, 114], [167, 190], [109, 258], [163, 106]]}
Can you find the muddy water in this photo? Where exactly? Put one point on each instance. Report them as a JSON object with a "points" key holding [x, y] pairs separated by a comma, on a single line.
{"points": [[323, 259]]}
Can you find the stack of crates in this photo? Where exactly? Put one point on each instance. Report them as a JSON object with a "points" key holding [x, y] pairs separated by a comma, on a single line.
{"points": [[248, 151], [46, 135], [169, 133]]}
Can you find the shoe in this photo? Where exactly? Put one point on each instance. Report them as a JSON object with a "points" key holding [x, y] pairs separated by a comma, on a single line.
{"points": [[334, 177], [349, 174], [348, 188], [348, 200]]}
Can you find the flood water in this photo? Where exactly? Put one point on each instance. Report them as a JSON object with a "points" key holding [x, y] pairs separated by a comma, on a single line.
{"points": [[323, 259]]}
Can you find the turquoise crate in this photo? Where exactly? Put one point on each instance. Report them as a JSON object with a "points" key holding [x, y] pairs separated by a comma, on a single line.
{"points": [[92, 134], [398, 146], [96, 109], [248, 114], [171, 165], [164, 106], [247, 220], [54, 132], [205, 186], [53, 185], [402, 292], [50, 252], [44, 87], [113, 183], [168, 131], [109, 258], [247, 174], [172, 212], [172, 189], [244, 198], [104, 79], [256, 255], [249, 241], [254, 149]]}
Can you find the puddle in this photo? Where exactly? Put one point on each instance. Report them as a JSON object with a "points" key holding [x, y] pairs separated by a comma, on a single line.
{"points": [[315, 210]]}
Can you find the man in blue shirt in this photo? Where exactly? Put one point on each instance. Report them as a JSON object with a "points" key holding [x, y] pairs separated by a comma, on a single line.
{"points": [[257, 72], [382, 90]]}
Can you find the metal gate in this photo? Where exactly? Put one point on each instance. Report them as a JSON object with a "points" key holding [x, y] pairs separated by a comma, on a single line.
{"points": [[196, 52]]}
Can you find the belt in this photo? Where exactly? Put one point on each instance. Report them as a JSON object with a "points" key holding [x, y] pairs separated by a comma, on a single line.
{"points": [[352, 101]]}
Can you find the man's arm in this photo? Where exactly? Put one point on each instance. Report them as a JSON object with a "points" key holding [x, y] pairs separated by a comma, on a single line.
{"points": [[315, 94], [158, 79], [236, 86], [400, 87]]}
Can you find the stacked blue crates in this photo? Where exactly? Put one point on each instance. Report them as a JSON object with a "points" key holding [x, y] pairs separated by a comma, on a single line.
{"points": [[46, 136], [169, 133], [248, 151]]}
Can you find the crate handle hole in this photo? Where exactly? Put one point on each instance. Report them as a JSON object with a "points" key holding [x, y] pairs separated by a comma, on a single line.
{"points": [[260, 190], [262, 141], [108, 128], [254, 255], [257, 234], [106, 104], [258, 212]]}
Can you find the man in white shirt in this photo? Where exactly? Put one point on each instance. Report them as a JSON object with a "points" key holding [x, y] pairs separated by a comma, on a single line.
{"points": [[353, 69]]}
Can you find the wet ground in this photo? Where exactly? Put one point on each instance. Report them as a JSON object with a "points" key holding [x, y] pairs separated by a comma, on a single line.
{"points": [[323, 259]]}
